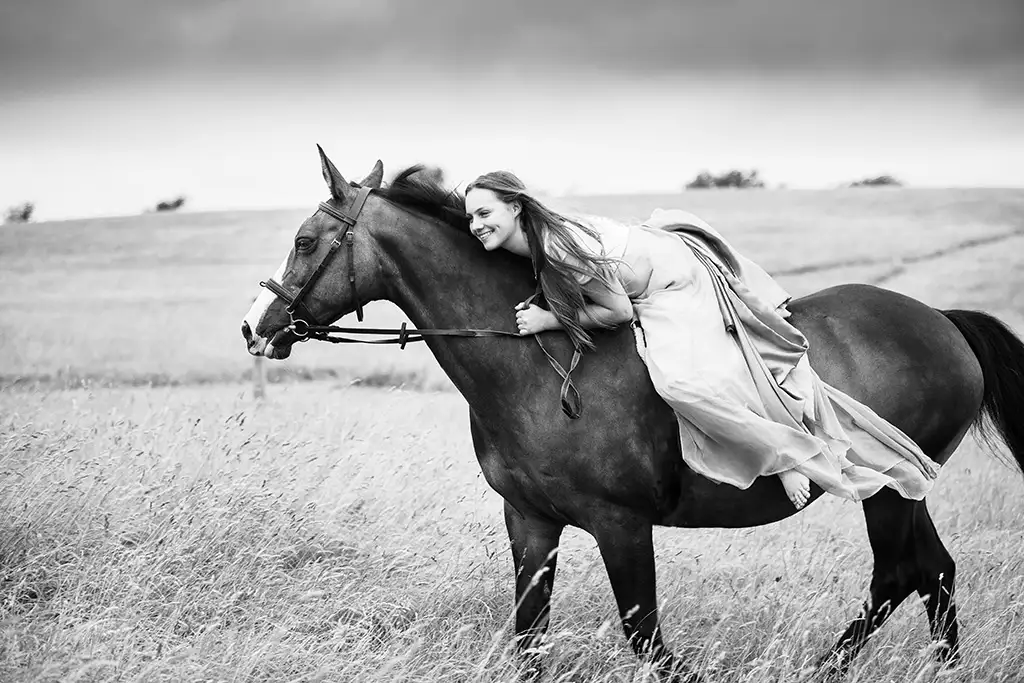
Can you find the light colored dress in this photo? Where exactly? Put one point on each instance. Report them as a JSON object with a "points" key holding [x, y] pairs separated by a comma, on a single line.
{"points": [[713, 334]]}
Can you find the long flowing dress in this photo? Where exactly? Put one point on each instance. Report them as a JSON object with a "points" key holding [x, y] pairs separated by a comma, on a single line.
{"points": [[714, 336]]}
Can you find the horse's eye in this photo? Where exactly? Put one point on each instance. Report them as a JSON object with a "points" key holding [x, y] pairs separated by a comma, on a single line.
{"points": [[305, 244]]}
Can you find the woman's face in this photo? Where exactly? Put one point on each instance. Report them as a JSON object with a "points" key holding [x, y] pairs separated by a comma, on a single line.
{"points": [[492, 221]]}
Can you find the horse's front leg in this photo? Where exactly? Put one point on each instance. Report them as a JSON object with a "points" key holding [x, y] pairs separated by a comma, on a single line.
{"points": [[627, 548], [534, 553]]}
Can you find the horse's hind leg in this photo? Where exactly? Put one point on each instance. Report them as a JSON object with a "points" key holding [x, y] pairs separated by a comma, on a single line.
{"points": [[936, 586], [908, 557], [890, 522]]}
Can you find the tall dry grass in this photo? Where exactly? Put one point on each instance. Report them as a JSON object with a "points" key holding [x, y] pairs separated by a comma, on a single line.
{"points": [[341, 534]]}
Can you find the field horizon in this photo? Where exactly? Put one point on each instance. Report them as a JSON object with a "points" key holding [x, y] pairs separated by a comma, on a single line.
{"points": [[188, 210], [191, 276]]}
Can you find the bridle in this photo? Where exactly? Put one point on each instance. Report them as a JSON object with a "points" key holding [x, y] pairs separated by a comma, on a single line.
{"points": [[305, 326], [302, 325]]}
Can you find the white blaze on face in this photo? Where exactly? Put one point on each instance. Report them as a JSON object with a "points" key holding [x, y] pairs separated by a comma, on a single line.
{"points": [[259, 309]]}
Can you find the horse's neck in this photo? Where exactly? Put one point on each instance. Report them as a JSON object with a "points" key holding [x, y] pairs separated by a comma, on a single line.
{"points": [[442, 279]]}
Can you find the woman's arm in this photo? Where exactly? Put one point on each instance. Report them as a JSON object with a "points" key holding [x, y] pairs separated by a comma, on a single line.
{"points": [[607, 308]]}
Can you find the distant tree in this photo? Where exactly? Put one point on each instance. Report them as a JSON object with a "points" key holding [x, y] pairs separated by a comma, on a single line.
{"points": [[172, 205], [19, 213], [880, 181], [703, 181], [734, 178]]}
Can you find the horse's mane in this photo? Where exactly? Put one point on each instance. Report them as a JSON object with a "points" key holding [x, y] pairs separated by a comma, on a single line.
{"points": [[414, 189]]}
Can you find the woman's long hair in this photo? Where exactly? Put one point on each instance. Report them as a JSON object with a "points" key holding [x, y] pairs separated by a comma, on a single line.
{"points": [[556, 276]]}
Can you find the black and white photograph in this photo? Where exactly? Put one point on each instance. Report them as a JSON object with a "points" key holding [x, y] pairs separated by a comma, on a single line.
{"points": [[329, 330]]}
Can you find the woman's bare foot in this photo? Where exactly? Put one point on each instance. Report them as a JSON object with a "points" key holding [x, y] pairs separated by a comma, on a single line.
{"points": [[798, 487]]}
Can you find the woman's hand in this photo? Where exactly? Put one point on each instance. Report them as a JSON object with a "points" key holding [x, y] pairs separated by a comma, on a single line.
{"points": [[531, 319]]}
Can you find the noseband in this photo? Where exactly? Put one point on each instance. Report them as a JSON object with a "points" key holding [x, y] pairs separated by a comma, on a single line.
{"points": [[305, 320]]}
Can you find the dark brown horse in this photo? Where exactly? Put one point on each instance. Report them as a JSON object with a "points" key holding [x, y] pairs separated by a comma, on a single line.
{"points": [[617, 471]]}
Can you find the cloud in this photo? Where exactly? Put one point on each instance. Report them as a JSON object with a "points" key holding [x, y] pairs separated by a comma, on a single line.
{"points": [[64, 41]]}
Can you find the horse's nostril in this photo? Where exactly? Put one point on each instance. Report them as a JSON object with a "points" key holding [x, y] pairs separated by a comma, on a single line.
{"points": [[246, 332]]}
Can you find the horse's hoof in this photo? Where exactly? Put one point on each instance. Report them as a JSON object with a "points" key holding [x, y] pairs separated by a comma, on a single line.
{"points": [[830, 669], [688, 677], [531, 668], [674, 671], [531, 674], [948, 655]]}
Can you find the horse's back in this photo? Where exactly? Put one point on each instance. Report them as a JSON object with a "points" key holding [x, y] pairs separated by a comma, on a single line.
{"points": [[903, 359]]}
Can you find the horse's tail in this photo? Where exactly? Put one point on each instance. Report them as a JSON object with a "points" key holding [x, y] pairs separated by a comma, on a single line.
{"points": [[1001, 355]]}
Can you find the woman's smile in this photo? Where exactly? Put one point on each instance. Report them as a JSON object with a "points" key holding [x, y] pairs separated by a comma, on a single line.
{"points": [[483, 233]]}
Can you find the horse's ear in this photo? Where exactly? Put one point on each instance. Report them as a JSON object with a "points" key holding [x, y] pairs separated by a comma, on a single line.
{"points": [[375, 177], [335, 181]]}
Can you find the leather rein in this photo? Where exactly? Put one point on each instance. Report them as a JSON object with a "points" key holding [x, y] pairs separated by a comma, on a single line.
{"points": [[305, 326]]}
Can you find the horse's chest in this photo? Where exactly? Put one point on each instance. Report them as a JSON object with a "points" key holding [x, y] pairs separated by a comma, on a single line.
{"points": [[515, 482], [504, 475]]}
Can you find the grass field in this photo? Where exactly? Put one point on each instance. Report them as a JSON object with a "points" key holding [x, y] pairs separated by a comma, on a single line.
{"points": [[158, 524]]}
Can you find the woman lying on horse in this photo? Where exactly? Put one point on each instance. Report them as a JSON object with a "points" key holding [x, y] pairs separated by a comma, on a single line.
{"points": [[712, 331]]}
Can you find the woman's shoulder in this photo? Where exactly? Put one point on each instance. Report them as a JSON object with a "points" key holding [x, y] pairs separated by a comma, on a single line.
{"points": [[593, 231], [612, 234], [555, 240], [602, 225]]}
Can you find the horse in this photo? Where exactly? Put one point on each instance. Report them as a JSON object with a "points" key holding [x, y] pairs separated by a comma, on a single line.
{"points": [[617, 470]]}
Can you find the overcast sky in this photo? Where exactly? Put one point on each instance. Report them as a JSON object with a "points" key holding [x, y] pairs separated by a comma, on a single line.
{"points": [[107, 106]]}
